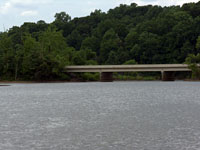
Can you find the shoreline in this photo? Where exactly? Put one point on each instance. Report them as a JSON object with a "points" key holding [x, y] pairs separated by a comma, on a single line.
{"points": [[3, 83], [31, 82]]}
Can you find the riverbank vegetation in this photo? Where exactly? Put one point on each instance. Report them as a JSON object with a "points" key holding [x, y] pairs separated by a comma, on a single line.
{"points": [[193, 61], [127, 34]]}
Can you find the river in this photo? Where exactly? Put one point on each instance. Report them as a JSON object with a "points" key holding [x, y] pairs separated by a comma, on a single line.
{"points": [[100, 116]]}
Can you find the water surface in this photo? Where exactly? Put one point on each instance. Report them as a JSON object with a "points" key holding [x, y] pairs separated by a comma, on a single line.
{"points": [[100, 116]]}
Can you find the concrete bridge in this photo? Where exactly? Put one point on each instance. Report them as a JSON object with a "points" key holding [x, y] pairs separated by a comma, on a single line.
{"points": [[106, 71]]}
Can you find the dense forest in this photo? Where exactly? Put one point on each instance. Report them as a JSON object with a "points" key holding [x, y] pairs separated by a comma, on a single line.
{"points": [[127, 34]]}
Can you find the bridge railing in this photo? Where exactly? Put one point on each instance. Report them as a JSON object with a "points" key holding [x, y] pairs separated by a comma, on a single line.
{"points": [[128, 68]]}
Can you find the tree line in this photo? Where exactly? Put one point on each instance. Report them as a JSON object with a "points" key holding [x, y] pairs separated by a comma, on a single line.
{"points": [[123, 35]]}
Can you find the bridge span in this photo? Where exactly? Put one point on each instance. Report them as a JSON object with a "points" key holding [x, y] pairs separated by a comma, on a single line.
{"points": [[106, 71]]}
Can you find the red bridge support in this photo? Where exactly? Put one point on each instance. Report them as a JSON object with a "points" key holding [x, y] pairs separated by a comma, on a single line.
{"points": [[106, 77], [168, 76]]}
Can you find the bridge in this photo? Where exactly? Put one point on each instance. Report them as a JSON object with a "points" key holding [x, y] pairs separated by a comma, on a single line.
{"points": [[106, 71]]}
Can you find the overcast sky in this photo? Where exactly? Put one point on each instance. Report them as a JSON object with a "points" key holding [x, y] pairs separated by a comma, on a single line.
{"points": [[16, 12]]}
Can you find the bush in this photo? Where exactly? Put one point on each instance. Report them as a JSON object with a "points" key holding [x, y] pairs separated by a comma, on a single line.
{"points": [[90, 76], [193, 62]]}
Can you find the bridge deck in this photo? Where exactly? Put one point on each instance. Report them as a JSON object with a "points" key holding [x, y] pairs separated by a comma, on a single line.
{"points": [[128, 68]]}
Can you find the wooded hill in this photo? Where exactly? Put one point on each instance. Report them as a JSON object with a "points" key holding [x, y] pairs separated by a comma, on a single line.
{"points": [[126, 34]]}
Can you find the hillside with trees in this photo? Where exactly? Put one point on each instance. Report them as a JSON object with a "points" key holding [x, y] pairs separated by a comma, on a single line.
{"points": [[128, 33]]}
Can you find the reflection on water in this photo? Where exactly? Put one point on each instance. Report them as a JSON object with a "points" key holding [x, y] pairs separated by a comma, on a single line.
{"points": [[100, 116]]}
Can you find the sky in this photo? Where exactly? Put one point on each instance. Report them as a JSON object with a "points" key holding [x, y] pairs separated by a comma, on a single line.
{"points": [[16, 12]]}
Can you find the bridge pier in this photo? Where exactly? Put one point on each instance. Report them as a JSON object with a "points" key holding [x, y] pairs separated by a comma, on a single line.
{"points": [[168, 75], [106, 77]]}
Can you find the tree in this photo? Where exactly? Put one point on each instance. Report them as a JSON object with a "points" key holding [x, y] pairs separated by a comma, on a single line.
{"points": [[79, 58], [62, 17], [74, 40], [150, 48], [130, 62], [110, 42], [92, 43], [7, 59], [62, 22], [46, 58], [193, 61], [198, 43], [31, 57], [105, 26], [135, 52], [112, 59], [131, 39], [186, 49], [54, 54]]}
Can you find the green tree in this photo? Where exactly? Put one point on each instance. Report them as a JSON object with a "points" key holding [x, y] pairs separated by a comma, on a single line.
{"points": [[193, 61], [131, 39], [112, 58], [45, 59], [74, 40], [92, 43], [79, 58], [130, 62], [7, 59], [198, 43], [55, 54], [62, 17], [110, 42], [31, 57]]}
